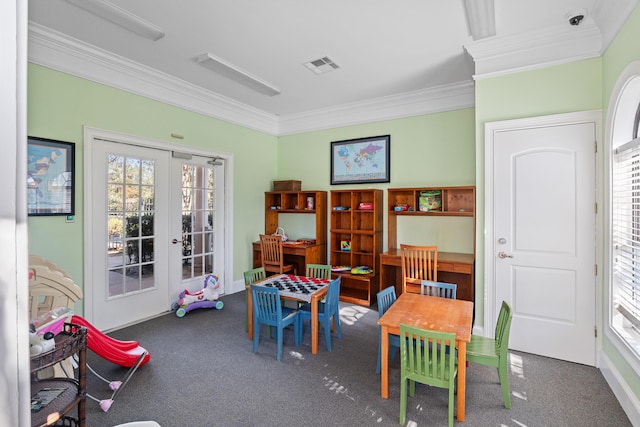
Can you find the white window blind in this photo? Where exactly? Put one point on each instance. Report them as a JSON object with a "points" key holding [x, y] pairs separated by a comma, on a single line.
{"points": [[626, 233]]}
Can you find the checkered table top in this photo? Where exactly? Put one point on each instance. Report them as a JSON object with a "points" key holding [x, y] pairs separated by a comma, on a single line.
{"points": [[297, 287]]}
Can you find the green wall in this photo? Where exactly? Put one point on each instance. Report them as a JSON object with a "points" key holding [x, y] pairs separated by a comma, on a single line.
{"points": [[553, 90], [59, 105], [428, 150], [623, 51]]}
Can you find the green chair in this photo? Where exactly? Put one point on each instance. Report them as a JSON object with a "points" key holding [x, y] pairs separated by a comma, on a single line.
{"points": [[426, 364], [495, 352], [250, 277], [319, 271]]}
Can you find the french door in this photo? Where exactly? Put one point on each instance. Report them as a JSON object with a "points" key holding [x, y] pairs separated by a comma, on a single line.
{"points": [[197, 223], [130, 215], [154, 226]]}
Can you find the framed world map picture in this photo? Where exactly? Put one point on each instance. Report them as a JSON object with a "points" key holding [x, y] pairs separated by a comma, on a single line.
{"points": [[50, 177], [359, 161]]}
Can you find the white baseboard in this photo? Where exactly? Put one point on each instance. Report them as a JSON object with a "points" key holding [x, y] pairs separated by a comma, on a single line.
{"points": [[628, 400]]}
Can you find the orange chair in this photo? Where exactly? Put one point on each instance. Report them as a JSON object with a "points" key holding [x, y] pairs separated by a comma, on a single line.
{"points": [[272, 259], [418, 263]]}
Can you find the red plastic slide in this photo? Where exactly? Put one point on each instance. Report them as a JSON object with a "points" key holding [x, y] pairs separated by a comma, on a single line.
{"points": [[123, 353]]}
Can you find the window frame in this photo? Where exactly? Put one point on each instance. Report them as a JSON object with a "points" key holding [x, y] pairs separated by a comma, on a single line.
{"points": [[623, 124]]}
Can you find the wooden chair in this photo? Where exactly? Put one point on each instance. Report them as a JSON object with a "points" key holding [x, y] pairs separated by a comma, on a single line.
{"points": [[386, 298], [418, 263], [272, 259], [250, 277], [267, 310], [427, 364], [495, 352], [328, 312], [319, 271], [438, 289]]}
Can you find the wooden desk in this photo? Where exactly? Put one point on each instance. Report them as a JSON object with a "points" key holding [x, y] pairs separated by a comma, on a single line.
{"points": [[434, 313], [298, 255], [452, 268], [313, 302]]}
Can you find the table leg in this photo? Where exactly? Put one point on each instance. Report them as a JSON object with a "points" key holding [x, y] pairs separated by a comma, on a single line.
{"points": [[249, 315], [384, 372], [462, 377], [314, 324]]}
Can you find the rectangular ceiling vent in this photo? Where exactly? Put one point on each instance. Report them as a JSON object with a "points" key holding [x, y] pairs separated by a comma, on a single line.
{"points": [[322, 65]]}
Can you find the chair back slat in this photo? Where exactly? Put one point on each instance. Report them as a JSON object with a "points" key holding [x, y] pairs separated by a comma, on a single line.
{"points": [[418, 263], [266, 305], [252, 276], [319, 271], [331, 305], [438, 289], [503, 325], [386, 298], [425, 356]]}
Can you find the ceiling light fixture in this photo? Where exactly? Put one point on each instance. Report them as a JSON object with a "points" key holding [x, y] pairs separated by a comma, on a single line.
{"points": [[229, 70], [121, 17]]}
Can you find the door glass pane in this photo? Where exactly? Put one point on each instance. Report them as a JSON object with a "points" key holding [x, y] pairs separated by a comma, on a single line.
{"points": [[197, 216], [131, 237]]}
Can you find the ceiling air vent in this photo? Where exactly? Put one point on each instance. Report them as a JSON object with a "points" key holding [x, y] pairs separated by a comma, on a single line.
{"points": [[322, 65]]}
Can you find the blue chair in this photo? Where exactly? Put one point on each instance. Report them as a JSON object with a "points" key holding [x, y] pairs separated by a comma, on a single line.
{"points": [[268, 310], [438, 289], [386, 298], [327, 311]]}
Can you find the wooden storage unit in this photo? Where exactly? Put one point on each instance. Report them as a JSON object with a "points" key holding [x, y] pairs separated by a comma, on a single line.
{"points": [[287, 185], [72, 340], [452, 267], [296, 202], [362, 228]]}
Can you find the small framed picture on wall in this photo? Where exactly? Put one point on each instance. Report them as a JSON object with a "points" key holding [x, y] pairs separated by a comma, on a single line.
{"points": [[50, 177]]}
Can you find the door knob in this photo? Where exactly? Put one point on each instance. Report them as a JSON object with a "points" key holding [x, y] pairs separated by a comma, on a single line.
{"points": [[503, 255], [174, 241]]}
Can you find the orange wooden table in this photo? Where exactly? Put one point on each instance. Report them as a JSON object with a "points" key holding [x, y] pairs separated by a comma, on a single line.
{"points": [[314, 299], [434, 313]]}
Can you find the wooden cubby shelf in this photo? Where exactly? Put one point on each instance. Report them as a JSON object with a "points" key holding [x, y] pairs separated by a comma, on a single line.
{"points": [[297, 202], [458, 268], [362, 228]]}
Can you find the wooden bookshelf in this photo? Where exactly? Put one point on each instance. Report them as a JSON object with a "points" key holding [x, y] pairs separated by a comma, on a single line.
{"points": [[361, 226]]}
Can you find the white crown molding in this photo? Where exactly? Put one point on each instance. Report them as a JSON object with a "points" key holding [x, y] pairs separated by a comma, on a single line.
{"points": [[610, 16], [535, 49], [62, 53], [57, 51], [426, 101]]}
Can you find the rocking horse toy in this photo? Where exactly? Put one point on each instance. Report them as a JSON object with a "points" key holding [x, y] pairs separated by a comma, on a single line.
{"points": [[207, 297]]}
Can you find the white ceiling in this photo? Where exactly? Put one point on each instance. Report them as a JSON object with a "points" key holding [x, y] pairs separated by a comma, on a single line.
{"points": [[396, 58]]}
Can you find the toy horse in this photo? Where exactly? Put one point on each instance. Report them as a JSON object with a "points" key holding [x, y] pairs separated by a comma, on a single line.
{"points": [[207, 297]]}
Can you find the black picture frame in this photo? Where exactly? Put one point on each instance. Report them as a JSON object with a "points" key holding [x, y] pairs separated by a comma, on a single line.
{"points": [[50, 177], [361, 160]]}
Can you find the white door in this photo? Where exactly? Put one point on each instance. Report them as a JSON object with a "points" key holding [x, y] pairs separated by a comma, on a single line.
{"points": [[197, 223], [129, 233], [542, 247]]}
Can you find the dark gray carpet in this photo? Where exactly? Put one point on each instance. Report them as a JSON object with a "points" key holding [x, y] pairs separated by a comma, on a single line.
{"points": [[203, 372]]}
